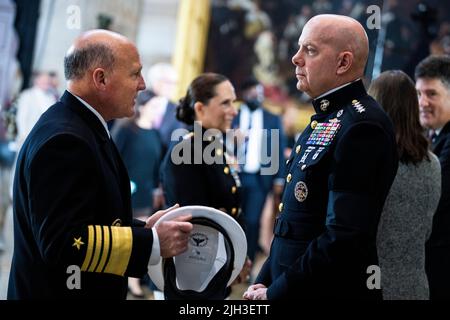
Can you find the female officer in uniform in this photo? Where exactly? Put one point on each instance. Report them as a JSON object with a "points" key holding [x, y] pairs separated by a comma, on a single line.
{"points": [[197, 170]]}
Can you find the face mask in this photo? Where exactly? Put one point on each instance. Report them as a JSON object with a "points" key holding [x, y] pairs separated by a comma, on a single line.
{"points": [[252, 104]]}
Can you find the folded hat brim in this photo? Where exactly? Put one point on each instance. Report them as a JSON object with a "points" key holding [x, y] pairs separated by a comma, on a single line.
{"points": [[231, 226]]}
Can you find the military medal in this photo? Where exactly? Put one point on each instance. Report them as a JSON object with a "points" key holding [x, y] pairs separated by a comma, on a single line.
{"points": [[301, 191], [323, 133]]}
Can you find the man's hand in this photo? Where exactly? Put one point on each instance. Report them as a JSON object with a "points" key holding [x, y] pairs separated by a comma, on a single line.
{"points": [[256, 292], [173, 235], [158, 214]]}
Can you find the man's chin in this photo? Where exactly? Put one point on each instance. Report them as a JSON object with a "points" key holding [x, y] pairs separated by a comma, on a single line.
{"points": [[426, 123], [301, 87], [131, 113]]}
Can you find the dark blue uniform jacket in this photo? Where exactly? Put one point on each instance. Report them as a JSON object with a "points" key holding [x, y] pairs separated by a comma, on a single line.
{"points": [[337, 179]]}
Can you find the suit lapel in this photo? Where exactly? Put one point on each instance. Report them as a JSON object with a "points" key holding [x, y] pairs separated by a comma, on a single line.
{"points": [[122, 173], [439, 141], [108, 151], [106, 146], [96, 126]]}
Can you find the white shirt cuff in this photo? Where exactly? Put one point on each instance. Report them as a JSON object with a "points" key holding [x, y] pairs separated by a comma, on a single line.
{"points": [[156, 251]]}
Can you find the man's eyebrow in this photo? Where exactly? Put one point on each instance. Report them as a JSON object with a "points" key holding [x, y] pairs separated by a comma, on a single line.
{"points": [[306, 44]]}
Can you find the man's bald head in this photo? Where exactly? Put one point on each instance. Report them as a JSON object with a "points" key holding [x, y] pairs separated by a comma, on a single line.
{"points": [[93, 49], [344, 34]]}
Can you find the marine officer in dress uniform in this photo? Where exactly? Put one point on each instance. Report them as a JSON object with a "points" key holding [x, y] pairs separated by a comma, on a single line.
{"points": [[198, 169], [195, 171], [338, 174], [74, 236]]}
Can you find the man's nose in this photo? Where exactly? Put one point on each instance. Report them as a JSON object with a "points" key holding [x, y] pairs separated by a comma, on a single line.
{"points": [[423, 101], [297, 59], [142, 85]]}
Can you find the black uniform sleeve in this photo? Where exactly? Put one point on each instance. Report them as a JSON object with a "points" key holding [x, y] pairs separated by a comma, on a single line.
{"points": [[356, 191], [63, 183]]}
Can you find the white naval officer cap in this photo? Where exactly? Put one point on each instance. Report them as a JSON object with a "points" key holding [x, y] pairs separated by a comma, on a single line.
{"points": [[216, 253]]}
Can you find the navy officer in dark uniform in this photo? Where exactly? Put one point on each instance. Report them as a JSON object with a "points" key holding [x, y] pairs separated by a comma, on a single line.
{"points": [[198, 170], [337, 178], [74, 236]]}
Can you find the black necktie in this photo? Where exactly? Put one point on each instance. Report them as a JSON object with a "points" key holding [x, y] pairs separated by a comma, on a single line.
{"points": [[432, 135]]}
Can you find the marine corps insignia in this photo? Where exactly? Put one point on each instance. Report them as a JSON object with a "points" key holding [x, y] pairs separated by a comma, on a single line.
{"points": [[324, 104], [301, 191], [340, 112]]}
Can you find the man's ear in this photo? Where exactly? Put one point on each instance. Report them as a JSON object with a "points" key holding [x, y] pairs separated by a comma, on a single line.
{"points": [[345, 61], [99, 77]]}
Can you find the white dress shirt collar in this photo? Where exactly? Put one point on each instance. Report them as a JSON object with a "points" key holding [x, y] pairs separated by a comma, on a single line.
{"points": [[87, 105], [335, 89]]}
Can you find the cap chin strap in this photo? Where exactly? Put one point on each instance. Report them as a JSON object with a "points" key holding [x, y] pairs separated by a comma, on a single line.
{"points": [[217, 287]]}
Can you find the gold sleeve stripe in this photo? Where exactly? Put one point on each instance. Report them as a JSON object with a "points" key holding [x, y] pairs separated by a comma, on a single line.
{"points": [[90, 248], [106, 245], [122, 242], [97, 248]]}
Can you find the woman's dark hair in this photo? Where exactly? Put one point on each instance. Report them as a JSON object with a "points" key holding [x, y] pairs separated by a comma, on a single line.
{"points": [[201, 89], [395, 92]]}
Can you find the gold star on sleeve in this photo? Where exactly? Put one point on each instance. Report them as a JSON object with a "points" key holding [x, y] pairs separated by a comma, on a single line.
{"points": [[78, 243]]}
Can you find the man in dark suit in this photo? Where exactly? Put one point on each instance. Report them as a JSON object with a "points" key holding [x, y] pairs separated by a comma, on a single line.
{"points": [[73, 231], [433, 88], [261, 159], [338, 175]]}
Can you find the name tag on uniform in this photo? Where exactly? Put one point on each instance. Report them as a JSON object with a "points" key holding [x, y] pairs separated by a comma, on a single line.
{"points": [[323, 134]]}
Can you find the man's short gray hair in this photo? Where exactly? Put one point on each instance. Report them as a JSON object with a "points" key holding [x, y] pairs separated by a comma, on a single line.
{"points": [[80, 60]]}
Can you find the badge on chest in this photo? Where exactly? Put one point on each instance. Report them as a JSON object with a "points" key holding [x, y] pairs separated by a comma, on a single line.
{"points": [[323, 134], [301, 191]]}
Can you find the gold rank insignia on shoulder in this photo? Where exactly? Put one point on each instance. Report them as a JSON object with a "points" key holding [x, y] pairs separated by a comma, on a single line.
{"points": [[358, 106], [324, 104]]}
